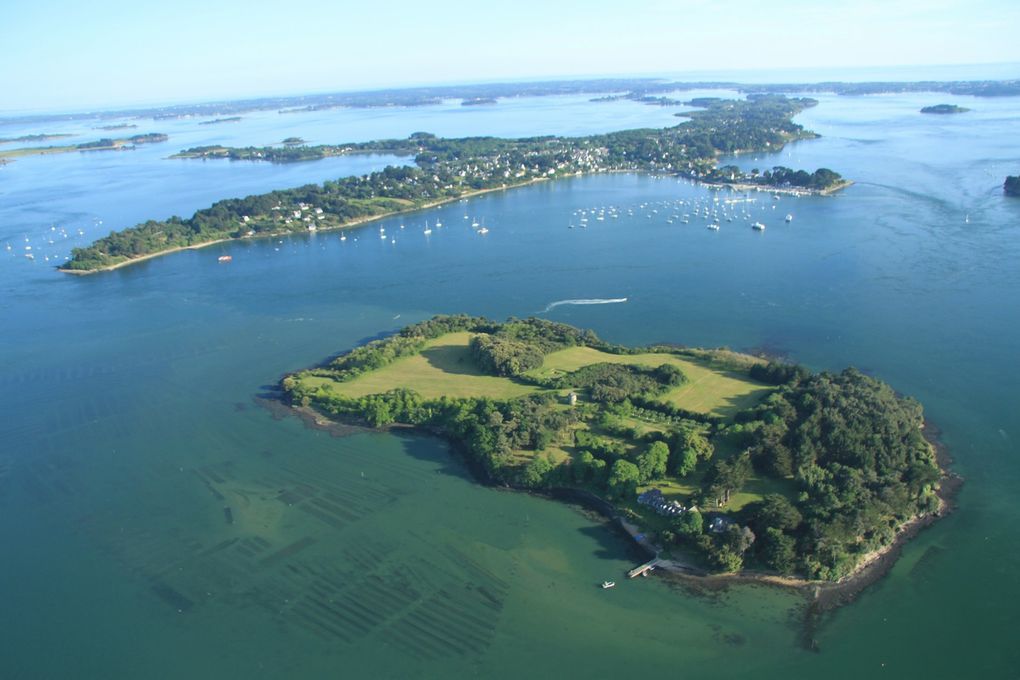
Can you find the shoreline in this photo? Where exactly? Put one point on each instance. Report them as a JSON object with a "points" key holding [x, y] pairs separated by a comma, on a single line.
{"points": [[873, 565], [341, 227], [822, 596], [793, 191], [11, 154], [142, 258]]}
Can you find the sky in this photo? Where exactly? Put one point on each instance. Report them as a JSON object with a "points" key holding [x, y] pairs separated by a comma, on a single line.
{"points": [[75, 55]]}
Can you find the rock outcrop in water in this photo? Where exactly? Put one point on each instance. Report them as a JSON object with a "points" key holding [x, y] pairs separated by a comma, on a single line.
{"points": [[1012, 185]]}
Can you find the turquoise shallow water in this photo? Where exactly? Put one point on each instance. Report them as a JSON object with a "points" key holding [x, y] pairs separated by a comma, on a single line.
{"points": [[129, 422]]}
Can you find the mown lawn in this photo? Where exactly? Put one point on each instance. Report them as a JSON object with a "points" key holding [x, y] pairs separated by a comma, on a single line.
{"points": [[444, 367], [754, 489], [707, 390]]}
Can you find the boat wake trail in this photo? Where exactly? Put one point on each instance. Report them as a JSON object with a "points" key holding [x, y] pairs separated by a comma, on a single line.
{"points": [[593, 301]]}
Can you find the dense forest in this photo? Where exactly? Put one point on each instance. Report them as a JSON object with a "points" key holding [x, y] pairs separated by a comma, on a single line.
{"points": [[861, 465], [846, 454], [448, 168]]}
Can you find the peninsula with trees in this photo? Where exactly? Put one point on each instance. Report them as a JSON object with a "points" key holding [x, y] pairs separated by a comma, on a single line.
{"points": [[105, 144], [718, 462], [450, 169], [42, 137]]}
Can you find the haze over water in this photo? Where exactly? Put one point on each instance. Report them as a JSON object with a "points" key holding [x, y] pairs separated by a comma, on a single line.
{"points": [[129, 420]]}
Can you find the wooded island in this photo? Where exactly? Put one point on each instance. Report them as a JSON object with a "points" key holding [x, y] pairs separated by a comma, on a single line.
{"points": [[944, 109], [725, 461]]}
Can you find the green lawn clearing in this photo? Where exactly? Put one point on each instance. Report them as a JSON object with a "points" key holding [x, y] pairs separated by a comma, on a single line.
{"points": [[707, 390], [444, 367]]}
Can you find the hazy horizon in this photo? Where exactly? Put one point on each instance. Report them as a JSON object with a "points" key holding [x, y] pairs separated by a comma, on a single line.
{"points": [[806, 75], [112, 54]]}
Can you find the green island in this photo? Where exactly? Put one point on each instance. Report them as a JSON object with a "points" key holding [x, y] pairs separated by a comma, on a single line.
{"points": [[1011, 186], [716, 462], [944, 109], [449, 169], [105, 144], [117, 126], [34, 138], [478, 101], [215, 121]]}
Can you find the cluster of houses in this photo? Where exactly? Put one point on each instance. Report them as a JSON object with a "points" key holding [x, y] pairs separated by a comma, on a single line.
{"points": [[554, 157], [654, 499], [560, 157]]}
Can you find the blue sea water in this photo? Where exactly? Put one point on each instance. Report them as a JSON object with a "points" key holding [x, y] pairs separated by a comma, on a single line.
{"points": [[129, 421]]}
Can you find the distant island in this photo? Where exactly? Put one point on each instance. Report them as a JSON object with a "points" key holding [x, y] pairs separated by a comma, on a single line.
{"points": [[105, 144], [216, 121], [639, 96], [478, 101], [651, 91], [118, 126], [715, 462], [34, 138], [944, 109], [1012, 186], [450, 169], [293, 141]]}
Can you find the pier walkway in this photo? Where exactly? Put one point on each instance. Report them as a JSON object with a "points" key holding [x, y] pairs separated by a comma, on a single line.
{"points": [[644, 568]]}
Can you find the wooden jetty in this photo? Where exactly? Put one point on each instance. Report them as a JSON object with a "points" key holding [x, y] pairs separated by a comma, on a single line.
{"points": [[644, 568]]}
